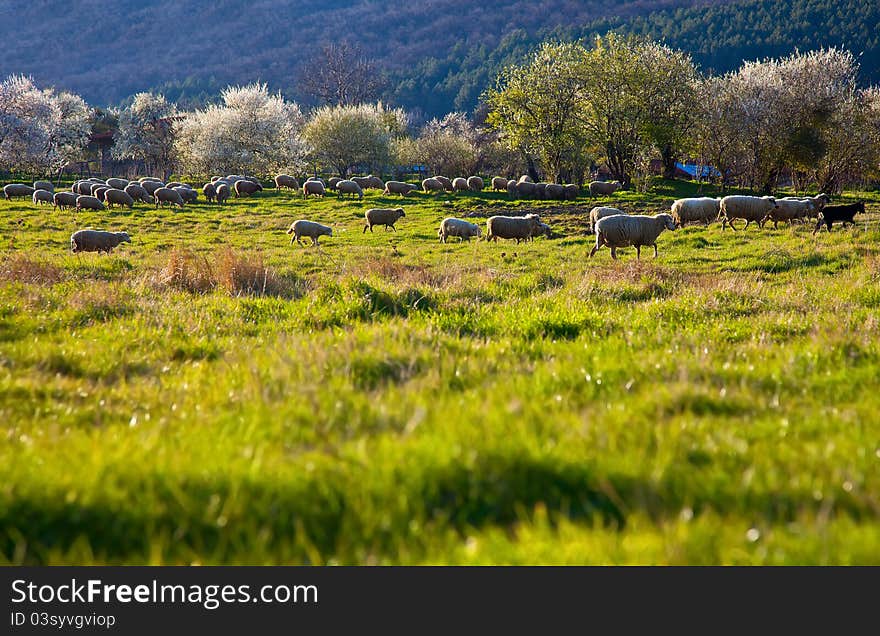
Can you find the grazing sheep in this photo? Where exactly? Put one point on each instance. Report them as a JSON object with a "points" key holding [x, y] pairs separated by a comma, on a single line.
{"points": [[695, 210], [600, 212], [554, 191], [525, 179], [383, 216], [177, 184], [42, 196], [398, 187], [142, 179], [222, 193], [519, 228], [313, 187], [525, 189], [349, 187], [789, 210], [460, 184], [542, 229], [286, 181], [64, 200], [119, 197], [88, 202], [540, 190], [457, 227], [511, 188], [598, 188], [151, 186], [116, 182], [313, 230], [210, 192], [187, 194], [431, 185], [318, 179], [17, 190], [623, 230], [374, 183], [572, 191], [137, 192], [96, 241], [98, 192], [215, 178], [44, 185], [363, 182], [475, 184], [819, 201], [245, 188], [839, 213], [446, 181], [745, 207], [499, 184], [169, 196], [332, 182]]}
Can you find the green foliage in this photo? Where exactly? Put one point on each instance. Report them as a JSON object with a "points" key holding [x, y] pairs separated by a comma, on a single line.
{"points": [[391, 399]]}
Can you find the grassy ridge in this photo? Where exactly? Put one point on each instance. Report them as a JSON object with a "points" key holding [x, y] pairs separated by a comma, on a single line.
{"points": [[389, 399]]}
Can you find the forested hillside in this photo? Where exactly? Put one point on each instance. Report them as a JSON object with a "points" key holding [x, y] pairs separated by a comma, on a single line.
{"points": [[439, 55]]}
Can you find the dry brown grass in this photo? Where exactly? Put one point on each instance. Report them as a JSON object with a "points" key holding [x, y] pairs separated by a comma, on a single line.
{"points": [[237, 273], [18, 267]]}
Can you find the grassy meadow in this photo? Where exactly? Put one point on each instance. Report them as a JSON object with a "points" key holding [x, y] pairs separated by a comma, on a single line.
{"points": [[211, 394]]}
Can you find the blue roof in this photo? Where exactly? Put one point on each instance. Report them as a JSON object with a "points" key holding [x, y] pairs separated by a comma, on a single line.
{"points": [[691, 169]]}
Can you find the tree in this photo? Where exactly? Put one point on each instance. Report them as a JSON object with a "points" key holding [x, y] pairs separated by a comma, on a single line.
{"points": [[250, 131], [449, 145], [538, 108], [343, 137], [342, 75], [638, 95], [147, 132], [40, 130]]}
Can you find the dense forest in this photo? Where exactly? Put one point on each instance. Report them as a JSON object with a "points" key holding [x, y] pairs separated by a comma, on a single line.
{"points": [[438, 55]]}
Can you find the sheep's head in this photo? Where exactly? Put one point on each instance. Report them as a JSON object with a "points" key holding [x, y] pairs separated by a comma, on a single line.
{"points": [[400, 212], [123, 237], [669, 222]]}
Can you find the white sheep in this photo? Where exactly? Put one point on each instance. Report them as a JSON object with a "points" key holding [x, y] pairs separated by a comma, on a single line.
{"points": [[88, 202], [119, 197], [383, 216], [499, 183], [457, 227], [311, 229], [542, 229], [475, 183], [398, 187], [432, 185], [17, 190], [347, 186], [598, 188], [286, 181], [623, 230], [518, 228], [44, 185], [313, 187], [64, 200], [600, 212], [790, 210], [116, 182], [695, 210], [745, 207], [445, 181], [460, 184], [96, 240], [168, 195], [43, 196]]}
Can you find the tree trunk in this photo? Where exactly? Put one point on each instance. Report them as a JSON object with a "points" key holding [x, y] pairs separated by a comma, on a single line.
{"points": [[668, 156], [530, 168]]}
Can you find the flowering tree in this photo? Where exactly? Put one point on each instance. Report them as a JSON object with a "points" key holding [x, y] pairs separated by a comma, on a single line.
{"points": [[342, 137], [147, 132], [40, 130], [250, 131]]}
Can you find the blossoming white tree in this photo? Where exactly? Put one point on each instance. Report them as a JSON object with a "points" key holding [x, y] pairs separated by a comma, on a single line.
{"points": [[251, 131]]}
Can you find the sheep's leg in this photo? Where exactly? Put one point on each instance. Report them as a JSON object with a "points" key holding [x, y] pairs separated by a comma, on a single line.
{"points": [[655, 250], [614, 253], [747, 224], [392, 228], [638, 252]]}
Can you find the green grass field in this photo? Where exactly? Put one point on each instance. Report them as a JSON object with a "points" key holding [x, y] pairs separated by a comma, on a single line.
{"points": [[211, 394]]}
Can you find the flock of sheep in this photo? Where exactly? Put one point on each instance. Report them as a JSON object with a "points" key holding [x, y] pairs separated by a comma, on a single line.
{"points": [[613, 227]]}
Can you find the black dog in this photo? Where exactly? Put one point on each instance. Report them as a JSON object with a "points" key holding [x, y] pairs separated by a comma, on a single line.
{"points": [[839, 213]]}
